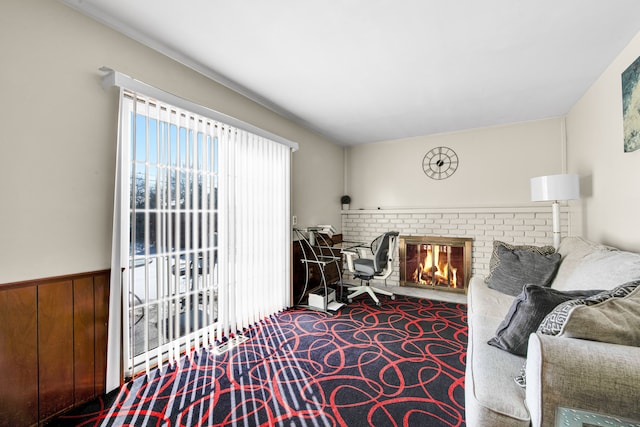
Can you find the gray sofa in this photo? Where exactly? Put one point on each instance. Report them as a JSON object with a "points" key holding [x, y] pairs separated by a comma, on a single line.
{"points": [[562, 371]]}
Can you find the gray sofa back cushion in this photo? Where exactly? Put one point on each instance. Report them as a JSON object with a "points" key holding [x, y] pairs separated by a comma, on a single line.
{"points": [[602, 270], [573, 251]]}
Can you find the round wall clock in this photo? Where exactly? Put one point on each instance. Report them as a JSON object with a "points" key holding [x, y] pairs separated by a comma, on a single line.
{"points": [[440, 163]]}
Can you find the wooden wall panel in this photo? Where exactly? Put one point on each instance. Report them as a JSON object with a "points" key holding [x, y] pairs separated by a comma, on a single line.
{"points": [[101, 292], [18, 357], [83, 340], [55, 347]]}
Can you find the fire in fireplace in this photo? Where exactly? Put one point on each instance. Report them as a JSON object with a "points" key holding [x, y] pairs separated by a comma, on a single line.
{"points": [[435, 262]]}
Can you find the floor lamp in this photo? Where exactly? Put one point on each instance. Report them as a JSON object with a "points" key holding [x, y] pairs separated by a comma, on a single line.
{"points": [[555, 188]]}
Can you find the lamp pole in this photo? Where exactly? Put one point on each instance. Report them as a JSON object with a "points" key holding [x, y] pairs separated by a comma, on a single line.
{"points": [[556, 224], [554, 188]]}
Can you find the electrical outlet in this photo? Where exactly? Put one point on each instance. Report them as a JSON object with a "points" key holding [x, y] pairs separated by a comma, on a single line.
{"points": [[295, 220]]}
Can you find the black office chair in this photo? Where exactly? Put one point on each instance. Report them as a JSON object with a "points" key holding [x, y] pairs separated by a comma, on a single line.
{"points": [[379, 267]]}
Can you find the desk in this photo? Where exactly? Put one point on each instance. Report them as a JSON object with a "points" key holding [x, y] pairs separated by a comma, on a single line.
{"points": [[317, 264]]}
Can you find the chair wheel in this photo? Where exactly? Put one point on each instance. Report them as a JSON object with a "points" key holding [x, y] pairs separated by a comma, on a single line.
{"points": [[349, 300], [393, 297], [378, 304]]}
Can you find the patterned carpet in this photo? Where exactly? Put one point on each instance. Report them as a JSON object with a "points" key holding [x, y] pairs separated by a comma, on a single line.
{"points": [[401, 364]]}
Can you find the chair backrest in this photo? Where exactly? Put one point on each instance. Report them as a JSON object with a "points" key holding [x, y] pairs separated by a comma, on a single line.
{"points": [[380, 248]]}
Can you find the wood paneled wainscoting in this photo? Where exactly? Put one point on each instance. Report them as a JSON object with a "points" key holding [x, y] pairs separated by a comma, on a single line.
{"points": [[53, 345]]}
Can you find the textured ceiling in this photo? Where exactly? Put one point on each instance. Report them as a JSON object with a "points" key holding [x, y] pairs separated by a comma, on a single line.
{"points": [[360, 71]]}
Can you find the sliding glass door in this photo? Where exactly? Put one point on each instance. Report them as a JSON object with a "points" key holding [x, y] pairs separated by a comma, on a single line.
{"points": [[201, 231], [172, 281]]}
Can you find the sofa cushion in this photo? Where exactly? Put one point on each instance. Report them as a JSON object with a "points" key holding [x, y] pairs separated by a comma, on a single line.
{"points": [[494, 261], [616, 321], [554, 322], [573, 251], [482, 301], [525, 315], [490, 369], [603, 270], [519, 267]]}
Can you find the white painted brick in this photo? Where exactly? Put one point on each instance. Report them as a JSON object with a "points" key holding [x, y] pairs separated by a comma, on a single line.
{"points": [[482, 227], [476, 221], [485, 215], [544, 215], [537, 234], [514, 234], [525, 215], [494, 221], [503, 227]]}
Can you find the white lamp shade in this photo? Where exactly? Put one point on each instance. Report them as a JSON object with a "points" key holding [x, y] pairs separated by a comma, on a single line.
{"points": [[555, 187]]}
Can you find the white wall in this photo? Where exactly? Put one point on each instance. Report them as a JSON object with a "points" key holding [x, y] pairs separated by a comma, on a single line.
{"points": [[317, 184], [57, 145], [495, 166], [610, 178]]}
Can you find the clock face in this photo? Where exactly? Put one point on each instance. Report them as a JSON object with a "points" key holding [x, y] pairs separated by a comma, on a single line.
{"points": [[440, 163]]}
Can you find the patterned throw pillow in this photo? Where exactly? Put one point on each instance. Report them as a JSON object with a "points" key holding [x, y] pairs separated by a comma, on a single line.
{"points": [[494, 262], [614, 321], [554, 322]]}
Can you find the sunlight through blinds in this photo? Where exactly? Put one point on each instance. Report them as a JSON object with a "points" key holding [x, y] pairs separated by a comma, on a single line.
{"points": [[201, 245]]}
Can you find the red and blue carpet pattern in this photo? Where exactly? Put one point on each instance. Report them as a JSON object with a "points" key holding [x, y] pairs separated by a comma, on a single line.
{"points": [[401, 364]]}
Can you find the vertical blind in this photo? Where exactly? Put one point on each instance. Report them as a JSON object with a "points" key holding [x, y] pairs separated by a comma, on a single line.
{"points": [[201, 229]]}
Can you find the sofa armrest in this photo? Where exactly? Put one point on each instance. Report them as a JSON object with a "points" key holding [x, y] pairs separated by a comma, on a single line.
{"points": [[588, 375]]}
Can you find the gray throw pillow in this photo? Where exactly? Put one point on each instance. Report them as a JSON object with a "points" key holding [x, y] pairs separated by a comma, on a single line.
{"points": [[526, 313], [494, 261], [522, 267]]}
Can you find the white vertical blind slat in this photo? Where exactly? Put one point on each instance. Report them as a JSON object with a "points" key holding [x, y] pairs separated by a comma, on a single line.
{"points": [[224, 227], [146, 203]]}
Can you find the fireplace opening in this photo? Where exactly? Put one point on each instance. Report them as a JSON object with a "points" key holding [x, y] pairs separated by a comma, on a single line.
{"points": [[435, 262]]}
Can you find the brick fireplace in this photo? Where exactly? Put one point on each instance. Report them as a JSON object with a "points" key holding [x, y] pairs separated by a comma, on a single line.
{"points": [[517, 225], [435, 262]]}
